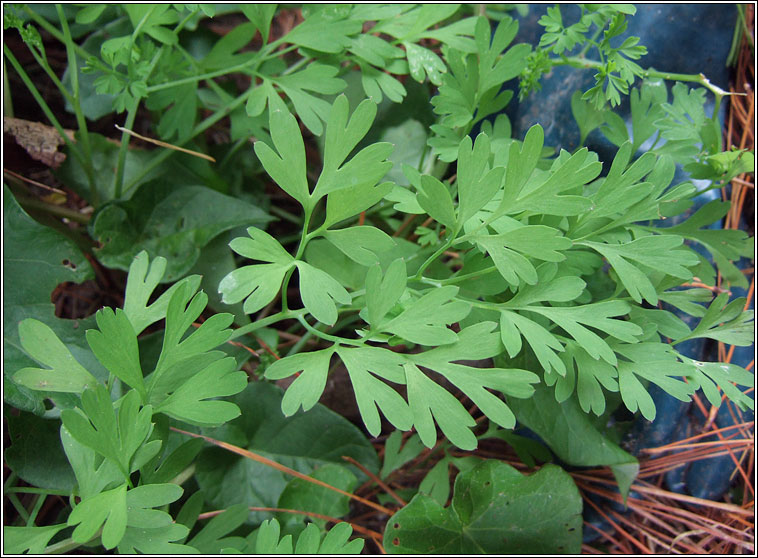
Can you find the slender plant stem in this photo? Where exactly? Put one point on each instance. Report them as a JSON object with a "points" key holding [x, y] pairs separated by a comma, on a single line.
{"points": [[34, 490], [42, 104], [38, 502], [56, 210], [280, 316], [578, 62], [81, 121], [332, 338]]}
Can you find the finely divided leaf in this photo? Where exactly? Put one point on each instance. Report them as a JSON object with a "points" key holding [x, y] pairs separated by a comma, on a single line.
{"points": [[305, 391], [65, 373], [425, 320], [319, 292]]}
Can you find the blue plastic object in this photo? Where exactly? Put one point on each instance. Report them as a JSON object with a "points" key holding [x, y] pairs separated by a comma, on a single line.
{"points": [[680, 38]]}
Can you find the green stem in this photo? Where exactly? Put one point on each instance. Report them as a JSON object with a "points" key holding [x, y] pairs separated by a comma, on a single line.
{"points": [[7, 97], [34, 490], [577, 62], [199, 129], [431, 258], [327, 337], [76, 104], [280, 316], [43, 105], [35, 510], [56, 210], [20, 509]]}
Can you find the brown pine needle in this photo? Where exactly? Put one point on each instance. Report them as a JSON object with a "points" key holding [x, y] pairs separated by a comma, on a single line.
{"points": [[30, 181], [166, 145], [376, 479], [282, 468]]}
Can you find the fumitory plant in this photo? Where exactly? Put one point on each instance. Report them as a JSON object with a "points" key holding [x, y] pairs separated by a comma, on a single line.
{"points": [[465, 281]]}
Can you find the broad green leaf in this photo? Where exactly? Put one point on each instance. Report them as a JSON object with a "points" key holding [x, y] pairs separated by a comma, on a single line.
{"points": [[599, 316], [305, 391], [29, 540], [33, 250], [360, 244], [302, 495], [725, 321], [257, 284], [115, 346], [36, 454], [169, 220], [183, 310], [324, 33], [725, 245], [363, 365], [426, 319], [107, 510], [479, 342], [570, 433], [495, 510], [303, 442], [91, 479], [64, 374], [319, 292], [141, 499], [423, 62]]}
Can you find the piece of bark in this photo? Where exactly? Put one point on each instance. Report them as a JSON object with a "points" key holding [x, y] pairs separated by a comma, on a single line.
{"points": [[41, 142]]}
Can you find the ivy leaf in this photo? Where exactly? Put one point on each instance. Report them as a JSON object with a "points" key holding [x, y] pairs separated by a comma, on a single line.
{"points": [[319, 292], [495, 509], [107, 510], [363, 365], [64, 374], [115, 346], [307, 388]]}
